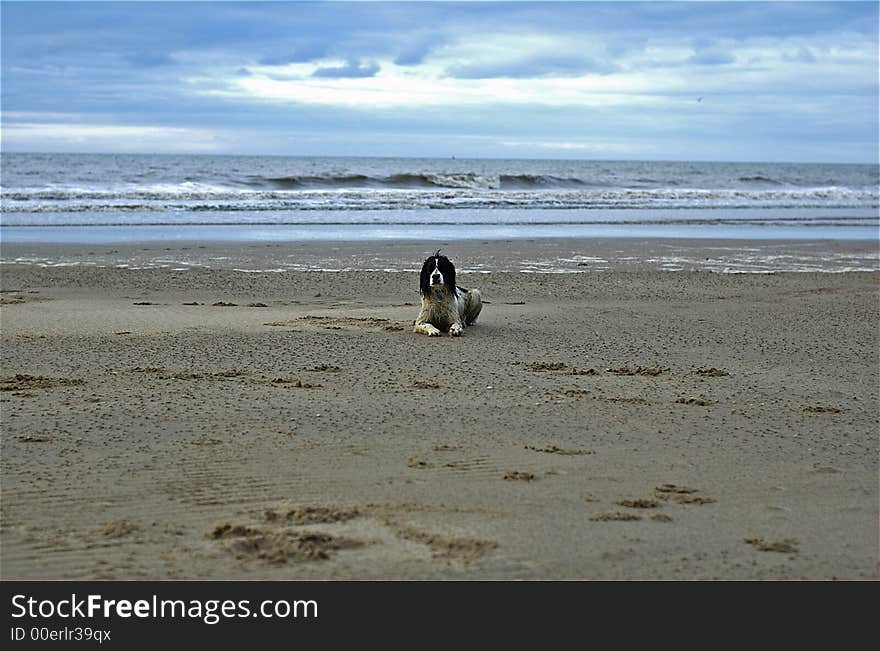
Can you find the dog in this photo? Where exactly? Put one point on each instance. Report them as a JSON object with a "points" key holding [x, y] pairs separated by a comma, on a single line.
{"points": [[445, 306]]}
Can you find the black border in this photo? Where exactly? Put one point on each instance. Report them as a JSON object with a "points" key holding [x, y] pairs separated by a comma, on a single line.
{"points": [[538, 614]]}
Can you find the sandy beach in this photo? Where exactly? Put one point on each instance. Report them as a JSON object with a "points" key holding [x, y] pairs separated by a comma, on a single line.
{"points": [[625, 423]]}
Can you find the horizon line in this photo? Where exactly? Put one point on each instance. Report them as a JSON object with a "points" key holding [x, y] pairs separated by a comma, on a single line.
{"points": [[4, 152]]}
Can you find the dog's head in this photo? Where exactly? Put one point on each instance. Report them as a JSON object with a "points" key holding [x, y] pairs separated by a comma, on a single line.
{"points": [[437, 272]]}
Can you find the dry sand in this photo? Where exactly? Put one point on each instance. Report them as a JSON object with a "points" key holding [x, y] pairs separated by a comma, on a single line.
{"points": [[213, 424]]}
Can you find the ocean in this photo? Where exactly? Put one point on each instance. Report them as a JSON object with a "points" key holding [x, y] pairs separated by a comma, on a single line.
{"points": [[356, 198], [104, 198]]}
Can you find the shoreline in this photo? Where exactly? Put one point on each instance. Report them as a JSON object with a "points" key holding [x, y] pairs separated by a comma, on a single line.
{"points": [[559, 255], [629, 425]]}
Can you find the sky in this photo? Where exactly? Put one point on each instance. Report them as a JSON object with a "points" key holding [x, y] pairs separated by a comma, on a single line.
{"points": [[738, 81]]}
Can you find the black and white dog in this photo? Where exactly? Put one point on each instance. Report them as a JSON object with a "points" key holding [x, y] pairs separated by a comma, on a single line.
{"points": [[445, 306]]}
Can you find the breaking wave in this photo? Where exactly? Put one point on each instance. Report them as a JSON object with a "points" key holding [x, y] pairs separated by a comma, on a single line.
{"points": [[194, 198], [422, 180], [76, 188]]}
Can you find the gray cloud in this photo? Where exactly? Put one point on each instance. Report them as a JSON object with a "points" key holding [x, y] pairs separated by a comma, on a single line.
{"points": [[413, 52], [301, 50], [712, 58], [149, 59]]}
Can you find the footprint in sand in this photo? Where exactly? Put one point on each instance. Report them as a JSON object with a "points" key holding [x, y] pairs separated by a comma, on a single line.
{"points": [[341, 323], [117, 529], [822, 409], [206, 440], [639, 503], [165, 374], [518, 475], [786, 546], [540, 367], [33, 438], [547, 366], [712, 372], [674, 488], [293, 383], [650, 371], [278, 541], [696, 400], [301, 515], [277, 547], [615, 516], [424, 384], [642, 503], [622, 400], [681, 494], [445, 547], [552, 449], [693, 499], [571, 393], [23, 382]]}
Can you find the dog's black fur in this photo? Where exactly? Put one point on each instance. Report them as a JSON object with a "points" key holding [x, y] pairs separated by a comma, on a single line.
{"points": [[443, 264]]}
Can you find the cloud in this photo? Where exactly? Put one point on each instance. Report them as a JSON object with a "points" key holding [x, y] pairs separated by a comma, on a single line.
{"points": [[149, 59], [803, 55], [588, 148], [560, 78], [303, 49], [712, 58], [413, 52], [523, 54], [76, 137], [351, 69], [532, 67], [397, 88], [659, 77]]}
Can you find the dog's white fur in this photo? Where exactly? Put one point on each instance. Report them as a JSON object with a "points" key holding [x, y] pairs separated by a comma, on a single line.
{"points": [[445, 306], [448, 313]]}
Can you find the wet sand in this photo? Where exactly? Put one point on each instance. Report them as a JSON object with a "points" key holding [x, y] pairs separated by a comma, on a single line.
{"points": [[624, 424], [548, 255]]}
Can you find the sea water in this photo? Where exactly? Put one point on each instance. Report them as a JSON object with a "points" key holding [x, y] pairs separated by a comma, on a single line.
{"points": [[85, 198]]}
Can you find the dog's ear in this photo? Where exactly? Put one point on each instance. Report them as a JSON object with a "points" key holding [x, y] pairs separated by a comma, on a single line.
{"points": [[437, 255], [425, 276], [448, 271]]}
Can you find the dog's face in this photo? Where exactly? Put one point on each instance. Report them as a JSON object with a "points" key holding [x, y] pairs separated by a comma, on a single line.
{"points": [[437, 272]]}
